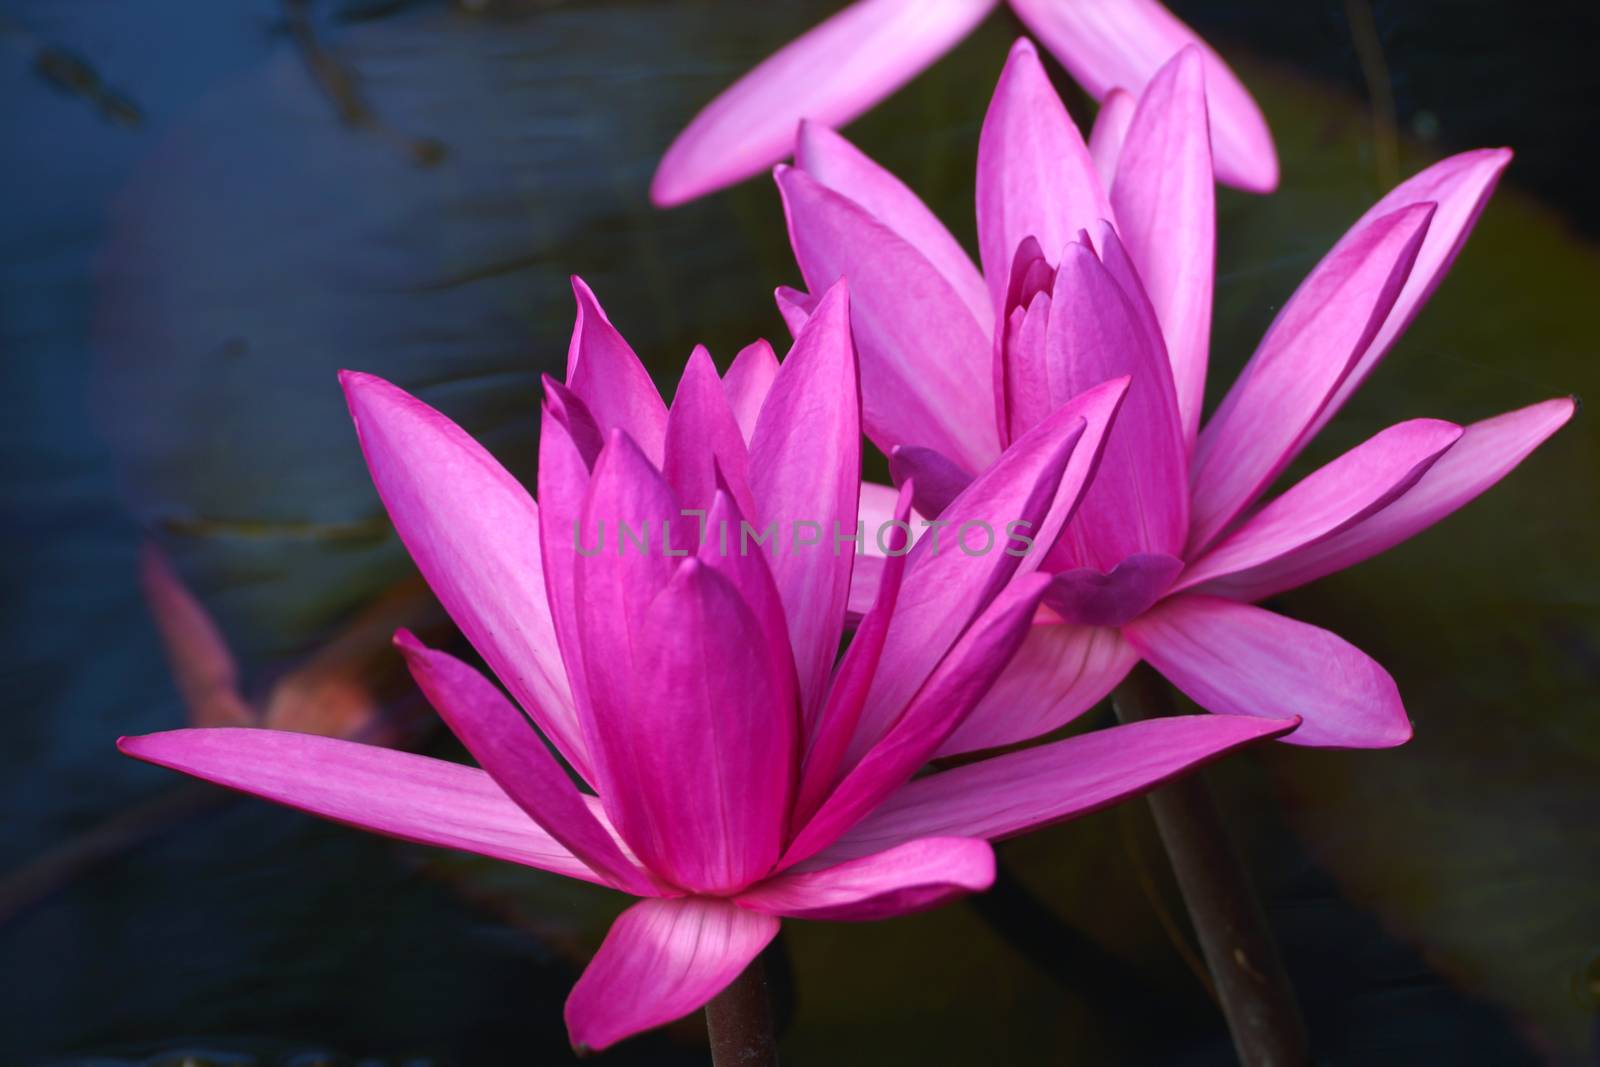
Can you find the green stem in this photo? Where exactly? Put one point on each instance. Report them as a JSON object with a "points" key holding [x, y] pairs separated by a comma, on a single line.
{"points": [[1252, 986]]}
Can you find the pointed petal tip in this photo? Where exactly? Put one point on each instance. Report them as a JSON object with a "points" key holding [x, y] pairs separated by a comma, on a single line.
{"points": [[355, 382], [667, 190], [1022, 46]]}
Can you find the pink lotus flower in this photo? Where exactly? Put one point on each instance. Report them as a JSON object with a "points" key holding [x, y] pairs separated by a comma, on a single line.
{"points": [[838, 70], [739, 775], [1097, 261]]}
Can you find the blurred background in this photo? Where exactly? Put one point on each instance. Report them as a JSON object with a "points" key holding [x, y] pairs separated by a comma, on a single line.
{"points": [[207, 209]]}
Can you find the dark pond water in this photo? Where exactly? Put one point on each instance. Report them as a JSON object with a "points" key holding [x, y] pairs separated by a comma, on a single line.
{"points": [[191, 244]]}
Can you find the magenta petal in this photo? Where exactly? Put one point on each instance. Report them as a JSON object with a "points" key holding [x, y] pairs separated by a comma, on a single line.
{"points": [[474, 534], [1109, 44], [662, 960], [1011, 794], [703, 439], [911, 877], [505, 745], [865, 577], [1460, 186], [845, 169], [1166, 216], [1108, 133], [1087, 597], [1035, 177], [794, 306], [805, 474], [1023, 396], [1139, 501], [1486, 452], [569, 444], [747, 381], [1236, 659], [1358, 484], [878, 508], [398, 794], [936, 480], [1059, 673], [618, 577], [577, 421], [709, 748], [1268, 415], [956, 568], [831, 73], [926, 363], [605, 373], [829, 734], [744, 565], [931, 716]]}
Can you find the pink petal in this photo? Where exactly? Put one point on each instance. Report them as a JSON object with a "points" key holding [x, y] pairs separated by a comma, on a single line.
{"points": [[1011, 794], [703, 439], [1139, 501], [845, 169], [569, 444], [879, 506], [744, 565], [1108, 133], [662, 960], [1310, 347], [1023, 387], [877, 510], [398, 794], [832, 73], [1486, 452], [1358, 484], [1059, 673], [1460, 186], [932, 715], [937, 480], [505, 745], [1035, 177], [473, 531], [958, 567], [1236, 659], [911, 877], [829, 734], [794, 307], [926, 366], [1107, 44], [616, 581], [747, 381], [805, 473], [604, 372], [202, 664], [1087, 597], [709, 749], [1166, 215]]}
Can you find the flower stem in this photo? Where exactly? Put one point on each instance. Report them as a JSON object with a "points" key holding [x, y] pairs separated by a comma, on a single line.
{"points": [[1240, 952], [739, 1021]]}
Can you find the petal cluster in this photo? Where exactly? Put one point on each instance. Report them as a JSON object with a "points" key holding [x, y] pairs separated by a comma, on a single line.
{"points": [[844, 66], [1097, 262], [665, 623]]}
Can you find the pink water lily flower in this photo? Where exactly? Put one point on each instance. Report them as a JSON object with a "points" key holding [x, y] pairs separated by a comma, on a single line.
{"points": [[1097, 261], [738, 773], [838, 70]]}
